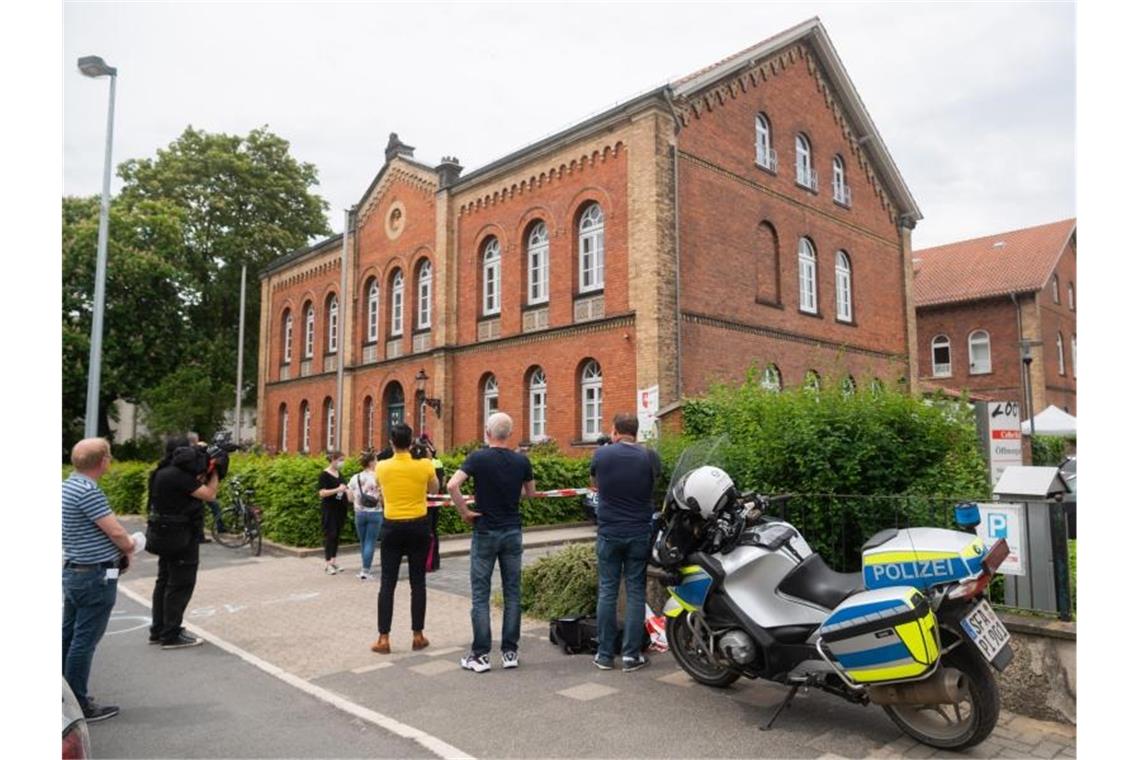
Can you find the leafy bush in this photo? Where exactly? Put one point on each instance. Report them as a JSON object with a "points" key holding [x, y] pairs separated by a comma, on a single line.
{"points": [[125, 485], [1048, 450], [562, 584]]}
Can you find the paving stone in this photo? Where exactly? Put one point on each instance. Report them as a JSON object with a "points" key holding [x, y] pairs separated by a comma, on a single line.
{"points": [[435, 668], [920, 751], [587, 691], [1013, 754], [370, 668], [447, 650], [1046, 749], [680, 678], [1012, 744]]}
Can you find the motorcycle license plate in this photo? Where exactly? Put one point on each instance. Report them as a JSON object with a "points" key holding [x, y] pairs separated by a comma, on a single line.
{"points": [[984, 628]]}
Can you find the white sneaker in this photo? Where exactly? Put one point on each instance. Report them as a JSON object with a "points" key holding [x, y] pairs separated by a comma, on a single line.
{"points": [[480, 664], [330, 570], [364, 575], [510, 660]]}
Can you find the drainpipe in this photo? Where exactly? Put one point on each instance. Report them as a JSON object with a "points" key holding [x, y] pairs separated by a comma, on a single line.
{"points": [[1026, 387], [343, 315]]}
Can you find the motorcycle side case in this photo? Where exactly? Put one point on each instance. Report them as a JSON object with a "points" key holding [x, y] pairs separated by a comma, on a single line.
{"points": [[884, 635], [920, 557]]}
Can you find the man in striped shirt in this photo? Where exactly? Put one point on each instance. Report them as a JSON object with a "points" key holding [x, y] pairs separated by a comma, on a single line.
{"points": [[96, 549]]}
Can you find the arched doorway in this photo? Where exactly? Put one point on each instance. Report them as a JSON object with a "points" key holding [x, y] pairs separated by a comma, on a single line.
{"points": [[394, 405]]}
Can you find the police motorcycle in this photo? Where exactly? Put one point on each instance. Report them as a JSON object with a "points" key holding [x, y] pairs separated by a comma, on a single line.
{"points": [[912, 633]]}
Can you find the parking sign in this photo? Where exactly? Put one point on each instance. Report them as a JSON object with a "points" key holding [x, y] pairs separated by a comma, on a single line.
{"points": [[1001, 520]]}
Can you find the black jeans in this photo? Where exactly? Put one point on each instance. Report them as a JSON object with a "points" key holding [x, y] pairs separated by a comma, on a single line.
{"points": [[398, 539], [332, 523], [177, 575]]}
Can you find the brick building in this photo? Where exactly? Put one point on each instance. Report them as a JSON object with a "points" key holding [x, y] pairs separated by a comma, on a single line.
{"points": [[746, 215], [977, 301]]}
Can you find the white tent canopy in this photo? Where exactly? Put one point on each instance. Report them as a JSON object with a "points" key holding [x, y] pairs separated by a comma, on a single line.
{"points": [[1053, 421]]}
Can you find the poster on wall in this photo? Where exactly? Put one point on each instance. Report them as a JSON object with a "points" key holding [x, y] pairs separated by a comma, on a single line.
{"points": [[1002, 520], [1003, 434], [647, 413]]}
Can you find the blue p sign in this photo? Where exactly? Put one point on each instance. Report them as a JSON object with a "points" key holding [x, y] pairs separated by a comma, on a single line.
{"points": [[998, 526]]}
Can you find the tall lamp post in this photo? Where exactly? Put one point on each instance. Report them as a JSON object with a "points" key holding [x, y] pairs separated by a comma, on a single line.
{"points": [[94, 66]]}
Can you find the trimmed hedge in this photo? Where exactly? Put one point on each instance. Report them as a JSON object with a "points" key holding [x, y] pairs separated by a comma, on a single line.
{"points": [[562, 584]]}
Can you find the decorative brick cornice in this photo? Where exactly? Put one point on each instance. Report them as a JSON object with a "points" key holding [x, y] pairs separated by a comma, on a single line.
{"points": [[420, 181], [538, 180], [319, 270], [767, 332]]}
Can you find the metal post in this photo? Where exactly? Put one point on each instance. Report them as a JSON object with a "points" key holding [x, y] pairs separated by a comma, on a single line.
{"points": [[343, 314], [1059, 535], [241, 348], [95, 361]]}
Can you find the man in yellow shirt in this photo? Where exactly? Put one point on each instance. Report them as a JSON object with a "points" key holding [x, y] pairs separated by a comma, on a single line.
{"points": [[404, 484]]}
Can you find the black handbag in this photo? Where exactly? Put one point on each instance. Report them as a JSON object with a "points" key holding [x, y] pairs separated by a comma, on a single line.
{"points": [[368, 501], [168, 535]]}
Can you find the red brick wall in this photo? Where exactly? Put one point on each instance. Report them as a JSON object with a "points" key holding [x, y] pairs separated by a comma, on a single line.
{"points": [[293, 294], [1058, 318], [998, 317], [313, 390], [733, 268]]}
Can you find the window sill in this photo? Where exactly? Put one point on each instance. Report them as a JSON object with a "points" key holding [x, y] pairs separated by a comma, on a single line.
{"points": [[813, 314], [980, 374], [809, 188], [421, 330], [772, 304], [767, 169], [589, 293], [846, 322], [585, 444], [536, 306], [489, 317], [841, 204]]}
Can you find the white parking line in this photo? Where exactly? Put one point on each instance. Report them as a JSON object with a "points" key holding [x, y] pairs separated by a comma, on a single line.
{"points": [[432, 744]]}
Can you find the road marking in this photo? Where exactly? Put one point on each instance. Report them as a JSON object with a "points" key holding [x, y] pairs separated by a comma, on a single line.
{"points": [[370, 668], [117, 617], [432, 744], [440, 652], [435, 667], [588, 691]]}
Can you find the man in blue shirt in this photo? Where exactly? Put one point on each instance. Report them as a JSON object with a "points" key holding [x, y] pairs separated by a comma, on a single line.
{"points": [[502, 477], [96, 549], [624, 474]]}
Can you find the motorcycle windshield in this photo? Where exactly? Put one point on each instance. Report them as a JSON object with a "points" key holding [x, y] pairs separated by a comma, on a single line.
{"points": [[706, 451]]}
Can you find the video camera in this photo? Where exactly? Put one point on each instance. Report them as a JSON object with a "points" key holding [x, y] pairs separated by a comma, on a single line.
{"points": [[218, 453], [205, 460], [422, 448]]}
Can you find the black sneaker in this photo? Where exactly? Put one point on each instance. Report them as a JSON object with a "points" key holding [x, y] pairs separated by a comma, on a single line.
{"points": [[94, 713], [182, 642], [630, 664], [153, 640], [602, 663]]}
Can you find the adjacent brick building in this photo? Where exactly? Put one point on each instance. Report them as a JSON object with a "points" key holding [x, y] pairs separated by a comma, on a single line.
{"points": [[748, 215], [979, 301]]}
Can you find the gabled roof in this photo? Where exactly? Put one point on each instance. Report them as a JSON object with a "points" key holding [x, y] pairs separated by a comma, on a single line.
{"points": [[812, 33], [281, 262], [1019, 261]]}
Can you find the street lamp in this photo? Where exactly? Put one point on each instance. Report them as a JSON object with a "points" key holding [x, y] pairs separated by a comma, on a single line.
{"points": [[94, 66], [424, 402]]}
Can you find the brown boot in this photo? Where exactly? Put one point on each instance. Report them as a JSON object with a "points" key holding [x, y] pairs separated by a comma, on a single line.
{"points": [[418, 640], [382, 646]]}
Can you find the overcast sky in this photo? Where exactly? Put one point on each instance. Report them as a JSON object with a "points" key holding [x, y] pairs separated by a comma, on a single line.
{"points": [[976, 102]]}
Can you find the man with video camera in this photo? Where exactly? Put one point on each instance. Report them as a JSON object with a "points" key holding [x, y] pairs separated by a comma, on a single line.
{"points": [[184, 480]]}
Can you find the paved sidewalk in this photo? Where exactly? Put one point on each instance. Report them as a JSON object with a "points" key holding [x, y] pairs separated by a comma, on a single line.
{"points": [[286, 611]]}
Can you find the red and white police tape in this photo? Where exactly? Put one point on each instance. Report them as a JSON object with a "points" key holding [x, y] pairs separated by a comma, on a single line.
{"points": [[444, 499]]}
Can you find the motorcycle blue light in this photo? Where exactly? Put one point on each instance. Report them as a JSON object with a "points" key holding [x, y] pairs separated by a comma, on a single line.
{"points": [[967, 515]]}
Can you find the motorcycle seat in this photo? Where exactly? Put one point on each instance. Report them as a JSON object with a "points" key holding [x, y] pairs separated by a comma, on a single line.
{"points": [[815, 582]]}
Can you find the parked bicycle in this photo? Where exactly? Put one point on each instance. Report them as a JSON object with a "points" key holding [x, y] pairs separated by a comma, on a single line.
{"points": [[240, 521]]}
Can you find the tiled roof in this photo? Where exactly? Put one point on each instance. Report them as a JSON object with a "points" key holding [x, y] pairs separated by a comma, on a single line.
{"points": [[1018, 261]]}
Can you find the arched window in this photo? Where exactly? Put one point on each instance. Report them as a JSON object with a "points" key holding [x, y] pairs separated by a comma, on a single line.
{"points": [[979, 352], [492, 271], [765, 156], [490, 398], [591, 249], [310, 329], [848, 386], [839, 189], [768, 264], [287, 338], [306, 420], [394, 405], [1060, 354], [811, 381], [940, 356], [330, 425], [842, 286], [397, 300], [591, 386], [537, 405], [770, 380], [1073, 354], [423, 297], [283, 424], [369, 425], [373, 310], [538, 265], [1056, 290], [807, 277], [805, 175], [877, 387], [1072, 297], [331, 309]]}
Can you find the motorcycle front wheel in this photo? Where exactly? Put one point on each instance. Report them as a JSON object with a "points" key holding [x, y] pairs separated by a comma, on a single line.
{"points": [[690, 657], [961, 725]]}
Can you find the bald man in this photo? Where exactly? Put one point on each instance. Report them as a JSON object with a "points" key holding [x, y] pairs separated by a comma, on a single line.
{"points": [[96, 549]]}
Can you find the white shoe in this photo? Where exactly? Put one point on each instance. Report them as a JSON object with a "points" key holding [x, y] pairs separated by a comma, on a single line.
{"points": [[480, 664], [364, 575], [330, 570], [510, 660]]}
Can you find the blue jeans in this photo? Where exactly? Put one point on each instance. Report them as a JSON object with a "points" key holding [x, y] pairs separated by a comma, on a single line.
{"points": [[618, 557], [368, 528], [88, 598], [506, 546]]}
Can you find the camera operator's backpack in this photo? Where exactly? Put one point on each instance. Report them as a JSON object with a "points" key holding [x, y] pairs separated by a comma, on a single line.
{"points": [[575, 635]]}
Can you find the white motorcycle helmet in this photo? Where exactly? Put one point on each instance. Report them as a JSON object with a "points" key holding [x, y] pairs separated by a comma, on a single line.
{"points": [[705, 490]]}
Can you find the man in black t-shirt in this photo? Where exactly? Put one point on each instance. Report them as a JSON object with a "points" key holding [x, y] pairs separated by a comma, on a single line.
{"points": [[177, 492], [502, 477]]}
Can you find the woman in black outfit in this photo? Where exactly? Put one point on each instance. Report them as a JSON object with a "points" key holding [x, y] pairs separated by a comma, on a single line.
{"points": [[334, 507]]}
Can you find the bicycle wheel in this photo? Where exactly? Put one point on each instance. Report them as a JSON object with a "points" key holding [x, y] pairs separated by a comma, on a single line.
{"points": [[233, 532], [253, 532]]}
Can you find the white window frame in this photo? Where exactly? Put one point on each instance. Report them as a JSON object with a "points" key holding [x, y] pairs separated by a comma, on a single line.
{"points": [[330, 427], [538, 405], [423, 298], [803, 161], [398, 303], [492, 277], [839, 189], [843, 305], [937, 342], [807, 270], [1072, 297], [847, 387], [764, 154], [538, 265], [334, 315], [490, 394], [812, 381], [977, 339], [1073, 354], [770, 378], [306, 425], [288, 337], [310, 330], [591, 387], [369, 421], [591, 249], [284, 429], [1060, 354], [374, 311], [1056, 289]]}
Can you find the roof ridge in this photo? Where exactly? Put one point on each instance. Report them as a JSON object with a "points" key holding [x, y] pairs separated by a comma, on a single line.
{"points": [[966, 241]]}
